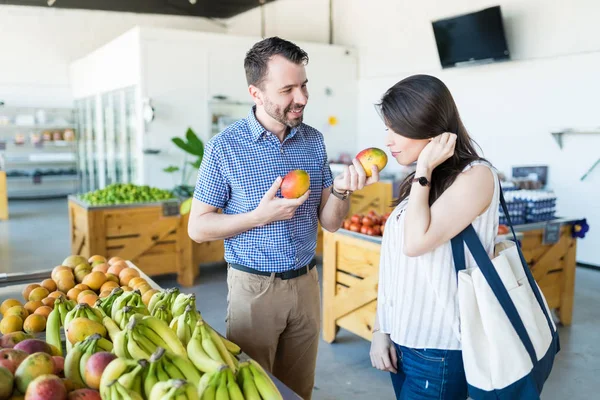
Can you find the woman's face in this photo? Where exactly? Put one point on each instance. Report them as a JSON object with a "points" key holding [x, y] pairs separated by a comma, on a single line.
{"points": [[406, 151]]}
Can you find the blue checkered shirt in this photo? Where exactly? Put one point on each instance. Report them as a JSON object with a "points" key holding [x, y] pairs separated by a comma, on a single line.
{"points": [[240, 164]]}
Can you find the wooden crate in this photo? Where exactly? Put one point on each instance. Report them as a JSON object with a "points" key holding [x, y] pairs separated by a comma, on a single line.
{"points": [[3, 196], [351, 268], [377, 197], [153, 236], [553, 267]]}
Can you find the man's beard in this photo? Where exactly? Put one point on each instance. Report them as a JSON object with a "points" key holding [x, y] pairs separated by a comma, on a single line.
{"points": [[275, 112]]}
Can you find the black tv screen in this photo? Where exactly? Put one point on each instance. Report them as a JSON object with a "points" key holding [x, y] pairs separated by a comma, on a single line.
{"points": [[471, 38]]}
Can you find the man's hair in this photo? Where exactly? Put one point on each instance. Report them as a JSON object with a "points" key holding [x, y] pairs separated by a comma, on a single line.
{"points": [[258, 57]]}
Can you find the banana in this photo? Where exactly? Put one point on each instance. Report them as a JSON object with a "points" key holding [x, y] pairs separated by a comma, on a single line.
{"points": [[134, 349], [124, 393], [120, 302], [90, 348], [264, 384], [181, 302], [133, 379], [161, 373], [150, 379], [63, 308], [198, 356], [120, 345], [173, 389], [72, 363], [152, 336], [114, 370], [160, 390], [190, 373], [156, 297], [209, 346], [225, 354], [222, 393], [246, 381], [232, 387], [53, 329], [111, 326], [162, 329], [123, 316], [143, 342], [207, 389], [93, 314], [106, 303], [171, 369], [163, 313]]}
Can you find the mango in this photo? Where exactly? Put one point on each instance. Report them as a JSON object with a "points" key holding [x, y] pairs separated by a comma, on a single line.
{"points": [[46, 387], [84, 394], [295, 184], [6, 383], [35, 365], [9, 340], [73, 261], [59, 364], [372, 156], [95, 366], [12, 358], [80, 328], [31, 346], [96, 258]]}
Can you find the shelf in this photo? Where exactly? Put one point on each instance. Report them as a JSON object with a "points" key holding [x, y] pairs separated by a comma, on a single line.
{"points": [[558, 136], [44, 178]]}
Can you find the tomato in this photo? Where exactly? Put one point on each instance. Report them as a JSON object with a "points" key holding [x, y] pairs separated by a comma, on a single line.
{"points": [[354, 227], [367, 221], [364, 229], [356, 218]]}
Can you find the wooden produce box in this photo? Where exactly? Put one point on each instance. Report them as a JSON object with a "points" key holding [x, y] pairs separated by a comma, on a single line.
{"points": [[351, 275], [152, 235], [3, 196], [377, 197]]}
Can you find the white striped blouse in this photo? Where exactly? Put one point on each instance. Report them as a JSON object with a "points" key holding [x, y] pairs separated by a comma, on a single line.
{"points": [[417, 300]]}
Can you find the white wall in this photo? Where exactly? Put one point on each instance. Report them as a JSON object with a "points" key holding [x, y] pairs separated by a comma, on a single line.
{"points": [[509, 108], [38, 43]]}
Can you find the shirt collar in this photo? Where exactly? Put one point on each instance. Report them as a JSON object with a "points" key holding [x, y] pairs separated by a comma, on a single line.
{"points": [[257, 130]]}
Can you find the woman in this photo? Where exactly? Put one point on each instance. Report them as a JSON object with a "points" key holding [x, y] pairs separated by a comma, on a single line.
{"points": [[416, 334]]}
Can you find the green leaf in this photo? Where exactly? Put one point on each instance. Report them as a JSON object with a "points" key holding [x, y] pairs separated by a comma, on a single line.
{"points": [[195, 142], [197, 163], [171, 169], [183, 145]]}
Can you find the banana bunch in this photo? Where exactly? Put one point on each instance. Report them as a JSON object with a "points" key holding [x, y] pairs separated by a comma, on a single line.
{"points": [[256, 383], [106, 303], [81, 310], [163, 313], [184, 324], [123, 316], [116, 391], [132, 299], [143, 335], [77, 357], [221, 385], [207, 350], [174, 389], [129, 374], [164, 297], [165, 366], [181, 302], [55, 321]]}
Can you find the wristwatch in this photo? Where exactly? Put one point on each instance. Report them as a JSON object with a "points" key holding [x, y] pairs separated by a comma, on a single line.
{"points": [[341, 196], [422, 181]]}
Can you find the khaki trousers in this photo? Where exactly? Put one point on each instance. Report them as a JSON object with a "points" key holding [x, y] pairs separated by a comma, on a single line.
{"points": [[277, 323]]}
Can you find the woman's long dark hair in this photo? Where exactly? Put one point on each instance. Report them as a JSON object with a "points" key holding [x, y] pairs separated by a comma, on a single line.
{"points": [[422, 107]]}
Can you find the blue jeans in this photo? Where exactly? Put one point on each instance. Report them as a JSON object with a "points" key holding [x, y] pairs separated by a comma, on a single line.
{"points": [[429, 374]]}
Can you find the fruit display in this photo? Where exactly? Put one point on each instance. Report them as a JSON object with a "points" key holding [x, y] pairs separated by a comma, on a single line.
{"points": [[370, 157], [126, 340], [125, 193], [371, 224], [295, 184]]}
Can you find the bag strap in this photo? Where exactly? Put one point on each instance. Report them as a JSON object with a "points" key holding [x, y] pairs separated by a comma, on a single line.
{"points": [[530, 278]]}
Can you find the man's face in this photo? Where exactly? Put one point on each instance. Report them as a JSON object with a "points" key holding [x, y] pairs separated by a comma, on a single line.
{"points": [[284, 94]]}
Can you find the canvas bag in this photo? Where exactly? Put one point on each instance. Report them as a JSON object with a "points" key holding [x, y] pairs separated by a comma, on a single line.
{"points": [[508, 338]]}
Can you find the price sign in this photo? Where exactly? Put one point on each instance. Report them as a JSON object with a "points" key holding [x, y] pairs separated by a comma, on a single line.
{"points": [[2, 145], [551, 233]]}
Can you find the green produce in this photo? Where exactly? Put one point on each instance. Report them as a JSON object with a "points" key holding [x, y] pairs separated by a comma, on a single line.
{"points": [[125, 193]]}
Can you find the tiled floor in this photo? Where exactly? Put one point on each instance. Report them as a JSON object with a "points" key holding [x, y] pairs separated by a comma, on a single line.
{"points": [[36, 238]]}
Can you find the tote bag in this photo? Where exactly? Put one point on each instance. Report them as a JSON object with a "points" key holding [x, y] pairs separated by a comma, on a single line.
{"points": [[508, 338]]}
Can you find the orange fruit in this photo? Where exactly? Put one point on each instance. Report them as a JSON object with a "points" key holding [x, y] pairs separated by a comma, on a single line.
{"points": [[112, 277], [81, 286], [38, 294], [8, 303], [101, 267], [72, 294], [89, 298], [84, 293], [126, 288], [34, 323], [64, 274], [49, 284], [28, 290], [133, 282], [108, 285], [44, 311], [95, 258], [95, 280], [57, 270], [56, 294], [49, 301], [19, 311], [147, 296], [64, 285], [10, 324], [126, 274], [31, 306], [105, 293], [117, 268], [114, 260], [143, 288]]}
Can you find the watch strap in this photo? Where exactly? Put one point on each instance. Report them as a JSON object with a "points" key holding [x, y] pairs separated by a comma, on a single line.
{"points": [[341, 196]]}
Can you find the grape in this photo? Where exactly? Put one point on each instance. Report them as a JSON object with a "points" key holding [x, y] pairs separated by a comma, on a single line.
{"points": [[125, 193]]}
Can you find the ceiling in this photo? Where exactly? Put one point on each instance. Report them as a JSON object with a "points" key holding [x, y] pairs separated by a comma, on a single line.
{"points": [[201, 8]]}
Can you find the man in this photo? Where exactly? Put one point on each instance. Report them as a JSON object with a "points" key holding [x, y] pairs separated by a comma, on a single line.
{"points": [[274, 299]]}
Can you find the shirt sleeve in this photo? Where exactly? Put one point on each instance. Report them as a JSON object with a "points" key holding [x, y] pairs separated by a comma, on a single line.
{"points": [[327, 175], [212, 187]]}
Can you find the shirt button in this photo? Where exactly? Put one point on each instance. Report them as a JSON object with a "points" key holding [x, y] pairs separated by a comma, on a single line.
{"points": [[281, 149], [297, 259]]}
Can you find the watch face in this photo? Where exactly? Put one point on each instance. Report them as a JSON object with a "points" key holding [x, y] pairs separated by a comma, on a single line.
{"points": [[423, 181]]}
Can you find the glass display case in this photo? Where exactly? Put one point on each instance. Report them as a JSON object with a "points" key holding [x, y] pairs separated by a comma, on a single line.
{"points": [[107, 145]]}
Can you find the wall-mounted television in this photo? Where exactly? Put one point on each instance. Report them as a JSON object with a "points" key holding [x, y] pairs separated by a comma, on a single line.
{"points": [[472, 38]]}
